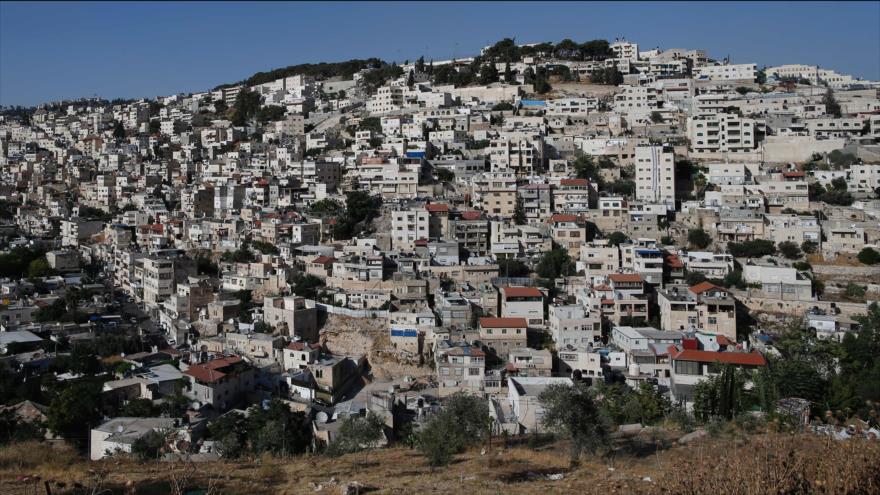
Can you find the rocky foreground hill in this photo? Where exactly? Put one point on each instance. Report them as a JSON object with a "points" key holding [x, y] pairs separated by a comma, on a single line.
{"points": [[722, 463]]}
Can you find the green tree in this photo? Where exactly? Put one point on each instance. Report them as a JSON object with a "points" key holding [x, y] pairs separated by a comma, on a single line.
{"points": [[789, 249], [13, 429], [554, 264], [327, 207], [488, 74], [854, 292], [149, 446], [656, 117], [229, 431], [463, 421], [265, 247], [519, 211], [444, 175], [761, 77], [139, 408], [75, 410], [617, 238], [722, 395], [839, 158], [809, 247], [118, 130], [277, 430], [832, 107], [357, 433], [752, 249], [699, 238], [508, 74], [39, 268], [694, 278], [503, 106], [572, 412], [512, 268], [869, 256], [247, 104], [360, 209], [307, 285], [433, 440]]}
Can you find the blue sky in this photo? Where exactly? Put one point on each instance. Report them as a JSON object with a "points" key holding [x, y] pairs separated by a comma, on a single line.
{"points": [[50, 51]]}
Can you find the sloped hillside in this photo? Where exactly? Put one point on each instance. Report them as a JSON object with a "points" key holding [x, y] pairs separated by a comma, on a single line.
{"points": [[752, 464]]}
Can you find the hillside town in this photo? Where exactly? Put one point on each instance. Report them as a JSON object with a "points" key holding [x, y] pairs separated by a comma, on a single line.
{"points": [[324, 257]]}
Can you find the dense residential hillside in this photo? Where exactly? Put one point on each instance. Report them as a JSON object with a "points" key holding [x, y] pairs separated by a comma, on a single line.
{"points": [[577, 267]]}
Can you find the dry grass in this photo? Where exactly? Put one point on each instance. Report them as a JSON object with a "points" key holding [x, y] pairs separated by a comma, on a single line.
{"points": [[756, 464]]}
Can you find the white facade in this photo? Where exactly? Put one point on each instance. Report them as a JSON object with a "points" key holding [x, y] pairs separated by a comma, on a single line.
{"points": [[655, 175]]}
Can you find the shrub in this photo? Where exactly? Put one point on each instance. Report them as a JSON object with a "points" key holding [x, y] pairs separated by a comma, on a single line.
{"points": [[699, 238], [751, 249], [789, 249], [464, 421], [572, 412], [869, 256]]}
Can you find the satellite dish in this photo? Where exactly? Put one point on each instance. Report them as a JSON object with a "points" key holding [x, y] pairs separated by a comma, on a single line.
{"points": [[322, 417], [195, 405], [120, 429]]}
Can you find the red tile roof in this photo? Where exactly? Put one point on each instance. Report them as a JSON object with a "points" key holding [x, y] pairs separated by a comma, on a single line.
{"points": [[301, 346], [522, 292], [210, 372], [467, 351], [737, 358], [674, 261], [563, 217], [705, 286], [324, 260], [625, 277], [574, 182], [437, 208], [471, 215], [487, 322]]}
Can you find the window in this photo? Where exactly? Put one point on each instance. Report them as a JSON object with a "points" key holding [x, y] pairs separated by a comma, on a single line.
{"points": [[688, 368]]}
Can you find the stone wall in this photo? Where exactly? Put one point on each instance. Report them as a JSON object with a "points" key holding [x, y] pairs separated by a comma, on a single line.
{"points": [[798, 308]]}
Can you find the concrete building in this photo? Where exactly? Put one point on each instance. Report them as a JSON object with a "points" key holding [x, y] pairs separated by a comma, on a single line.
{"points": [[503, 334], [298, 315], [523, 395], [523, 302], [655, 175]]}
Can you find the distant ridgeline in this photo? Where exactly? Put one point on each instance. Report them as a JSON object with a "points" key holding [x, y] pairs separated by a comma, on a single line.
{"points": [[505, 50]]}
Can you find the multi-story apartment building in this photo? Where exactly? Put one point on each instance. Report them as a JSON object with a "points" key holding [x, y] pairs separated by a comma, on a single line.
{"points": [[655, 175], [728, 72], [570, 324], [722, 133], [503, 335], [460, 368], [408, 226], [523, 302], [703, 307], [599, 259]]}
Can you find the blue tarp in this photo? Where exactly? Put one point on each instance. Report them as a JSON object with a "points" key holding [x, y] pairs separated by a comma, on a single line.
{"points": [[647, 251], [399, 332], [533, 103]]}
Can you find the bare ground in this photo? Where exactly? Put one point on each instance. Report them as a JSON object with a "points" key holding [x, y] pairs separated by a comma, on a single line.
{"points": [[358, 336], [733, 464]]}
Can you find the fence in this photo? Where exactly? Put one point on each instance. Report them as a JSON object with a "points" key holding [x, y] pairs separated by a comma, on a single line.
{"points": [[354, 313]]}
